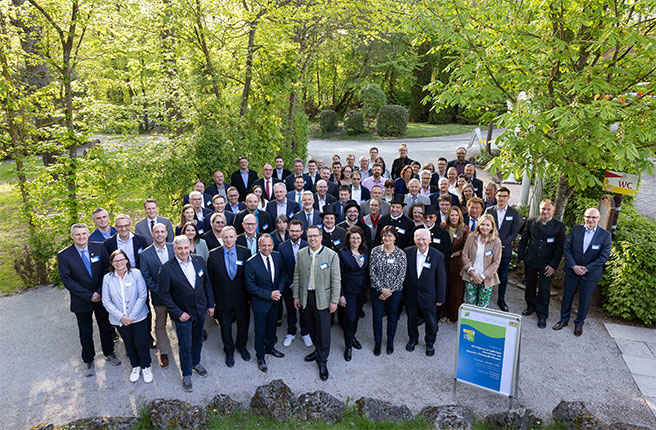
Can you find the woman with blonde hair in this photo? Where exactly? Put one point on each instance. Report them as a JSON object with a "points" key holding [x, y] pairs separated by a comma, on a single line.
{"points": [[455, 292], [481, 257]]}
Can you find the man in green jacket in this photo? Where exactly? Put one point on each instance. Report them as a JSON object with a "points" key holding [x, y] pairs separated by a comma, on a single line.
{"points": [[317, 283]]}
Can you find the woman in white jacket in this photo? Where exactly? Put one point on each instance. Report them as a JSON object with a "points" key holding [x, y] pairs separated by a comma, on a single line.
{"points": [[124, 296]]}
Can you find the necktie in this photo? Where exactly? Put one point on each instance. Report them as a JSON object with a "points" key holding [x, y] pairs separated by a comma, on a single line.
{"points": [[309, 219], [152, 224], [473, 226], [268, 261], [232, 264], [414, 200], [298, 198], [86, 261], [268, 193]]}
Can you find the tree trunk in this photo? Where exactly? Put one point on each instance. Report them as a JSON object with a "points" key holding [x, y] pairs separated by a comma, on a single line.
{"points": [[563, 193], [169, 65], [488, 138], [248, 75], [202, 41]]}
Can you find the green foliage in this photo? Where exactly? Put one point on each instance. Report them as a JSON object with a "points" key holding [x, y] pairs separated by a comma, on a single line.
{"points": [[629, 284], [328, 121], [392, 120], [372, 99], [354, 123]]}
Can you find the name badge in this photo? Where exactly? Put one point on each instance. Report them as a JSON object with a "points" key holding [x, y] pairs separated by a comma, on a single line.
{"points": [[475, 189], [551, 239], [361, 258], [509, 218], [265, 226], [94, 259], [489, 252], [139, 250], [324, 265], [200, 273], [337, 242], [391, 260], [400, 230], [128, 284], [595, 247], [437, 240], [201, 231], [240, 263], [291, 215], [455, 235], [427, 265], [320, 225]]}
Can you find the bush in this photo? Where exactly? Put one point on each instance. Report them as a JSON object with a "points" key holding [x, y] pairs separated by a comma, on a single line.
{"points": [[629, 284], [392, 120], [372, 99], [328, 121], [354, 123]]}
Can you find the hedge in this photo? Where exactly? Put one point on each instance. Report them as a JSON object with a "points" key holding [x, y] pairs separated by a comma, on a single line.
{"points": [[392, 120], [328, 121], [354, 123]]}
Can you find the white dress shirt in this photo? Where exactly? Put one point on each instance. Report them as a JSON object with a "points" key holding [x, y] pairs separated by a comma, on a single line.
{"points": [[273, 268], [188, 270], [421, 259], [162, 253]]}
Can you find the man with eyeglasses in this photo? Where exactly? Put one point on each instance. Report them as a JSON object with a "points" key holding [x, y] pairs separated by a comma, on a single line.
{"points": [[587, 248], [132, 244], [265, 223], [248, 239]]}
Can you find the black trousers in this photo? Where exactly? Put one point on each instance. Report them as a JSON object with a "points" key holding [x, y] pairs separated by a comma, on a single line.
{"points": [[351, 316], [288, 298], [537, 291], [85, 328], [430, 318], [135, 339], [265, 324], [318, 322], [242, 318]]}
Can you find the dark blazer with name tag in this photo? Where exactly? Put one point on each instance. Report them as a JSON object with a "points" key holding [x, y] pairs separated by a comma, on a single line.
{"points": [[593, 258], [292, 208], [430, 288], [265, 223], [260, 182], [178, 295], [542, 245], [288, 260], [228, 293], [76, 278], [510, 228], [139, 243], [259, 283], [150, 266]]}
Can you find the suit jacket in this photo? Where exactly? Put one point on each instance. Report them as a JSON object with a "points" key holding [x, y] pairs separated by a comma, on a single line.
{"points": [[373, 230], [150, 266], [333, 189], [139, 243], [213, 189], [228, 208], [404, 228], [292, 208], [435, 178], [339, 209], [593, 258], [142, 228], [285, 173], [177, 294], [76, 278], [478, 186], [260, 182], [355, 279], [135, 297], [329, 201], [288, 261], [237, 182], [228, 293], [455, 201], [259, 283], [230, 217], [363, 226], [400, 187], [316, 219], [97, 236], [365, 194], [408, 199], [384, 208], [335, 239], [289, 182], [207, 200], [292, 196], [510, 228], [441, 241], [265, 224], [491, 259], [397, 165], [429, 288], [542, 245], [241, 240], [313, 181], [211, 240], [453, 163], [327, 276]]}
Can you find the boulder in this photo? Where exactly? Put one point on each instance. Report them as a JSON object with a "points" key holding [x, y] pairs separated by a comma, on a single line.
{"points": [[515, 419], [43, 426], [165, 414], [449, 417], [575, 416], [319, 405], [379, 410], [624, 426], [275, 400], [223, 405], [102, 423]]}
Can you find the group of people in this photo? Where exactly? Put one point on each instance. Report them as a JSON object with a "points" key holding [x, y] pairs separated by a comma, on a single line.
{"points": [[322, 241]]}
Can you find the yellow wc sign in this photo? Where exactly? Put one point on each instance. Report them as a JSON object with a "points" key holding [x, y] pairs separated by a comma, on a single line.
{"points": [[620, 183]]}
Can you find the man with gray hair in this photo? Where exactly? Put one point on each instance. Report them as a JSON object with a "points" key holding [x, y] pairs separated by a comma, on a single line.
{"points": [[203, 214], [413, 196], [130, 243]]}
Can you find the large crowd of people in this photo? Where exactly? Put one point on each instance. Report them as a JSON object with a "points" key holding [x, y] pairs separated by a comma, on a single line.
{"points": [[306, 245]]}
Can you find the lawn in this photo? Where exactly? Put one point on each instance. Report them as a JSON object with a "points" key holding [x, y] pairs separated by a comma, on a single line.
{"points": [[13, 236], [415, 130]]}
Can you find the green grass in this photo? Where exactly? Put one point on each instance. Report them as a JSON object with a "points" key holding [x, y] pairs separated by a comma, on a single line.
{"points": [[8, 169], [415, 130], [13, 236]]}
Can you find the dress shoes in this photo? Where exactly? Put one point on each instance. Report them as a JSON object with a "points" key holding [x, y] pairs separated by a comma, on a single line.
{"points": [[559, 325], [311, 357], [245, 355], [578, 330], [502, 305], [430, 351], [186, 384], [200, 371], [113, 360], [275, 353], [528, 311], [542, 323], [410, 346], [261, 364], [377, 349], [230, 360], [356, 343], [163, 361], [89, 369], [348, 354], [323, 371], [390, 348]]}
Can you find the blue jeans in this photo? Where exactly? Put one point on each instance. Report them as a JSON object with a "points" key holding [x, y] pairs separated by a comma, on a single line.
{"points": [[190, 343], [502, 271], [393, 306]]}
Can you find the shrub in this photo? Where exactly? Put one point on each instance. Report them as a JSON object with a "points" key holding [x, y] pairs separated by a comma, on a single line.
{"points": [[354, 122], [372, 99], [629, 284], [328, 121], [392, 120]]}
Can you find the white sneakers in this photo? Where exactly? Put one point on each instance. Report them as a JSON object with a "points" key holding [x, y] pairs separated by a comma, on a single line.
{"points": [[288, 340], [308, 340], [134, 376], [147, 375]]}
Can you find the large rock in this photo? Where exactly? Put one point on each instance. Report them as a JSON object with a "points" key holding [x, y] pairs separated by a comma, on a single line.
{"points": [[449, 417], [165, 414], [274, 400], [379, 410], [575, 416], [624, 426], [223, 405], [515, 419], [319, 406], [43, 426]]}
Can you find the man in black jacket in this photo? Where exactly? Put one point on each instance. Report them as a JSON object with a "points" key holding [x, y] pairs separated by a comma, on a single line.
{"points": [[404, 225], [243, 179]]}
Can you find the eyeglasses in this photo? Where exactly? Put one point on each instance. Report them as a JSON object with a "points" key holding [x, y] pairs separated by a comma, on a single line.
{"points": [[121, 227], [313, 236], [250, 223], [122, 260], [590, 217]]}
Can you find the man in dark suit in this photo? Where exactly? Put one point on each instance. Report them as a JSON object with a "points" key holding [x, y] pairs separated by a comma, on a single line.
{"points": [[460, 162], [470, 173], [265, 223], [440, 172], [333, 188], [201, 213], [308, 216], [298, 171], [145, 226], [265, 280], [281, 205], [509, 223], [199, 186], [219, 203], [151, 259], [443, 190], [267, 181], [129, 242], [280, 172], [399, 163], [234, 205], [185, 290], [313, 174], [213, 237], [424, 289], [332, 236], [322, 199], [244, 178], [219, 186], [82, 266], [358, 192], [586, 250], [248, 239], [404, 225], [540, 251], [340, 204], [490, 194], [103, 230], [426, 189], [297, 193], [225, 265]]}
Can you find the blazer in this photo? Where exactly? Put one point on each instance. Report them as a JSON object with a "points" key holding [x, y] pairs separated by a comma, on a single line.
{"points": [[400, 187], [363, 226], [139, 243], [510, 228], [404, 228], [542, 245], [491, 260], [177, 294], [593, 258], [237, 182], [372, 230], [135, 297], [260, 182], [355, 279], [408, 199], [76, 278], [228, 293], [397, 165], [384, 208], [265, 224], [441, 241], [241, 240], [211, 240], [292, 208], [329, 201], [453, 163], [455, 201], [339, 209], [228, 208], [142, 228], [150, 266], [365, 194], [230, 217], [201, 249], [326, 273], [207, 200], [288, 261], [213, 189], [285, 173], [289, 182], [430, 287], [335, 239], [333, 189], [313, 180], [97, 236], [259, 282], [435, 178], [316, 218]]}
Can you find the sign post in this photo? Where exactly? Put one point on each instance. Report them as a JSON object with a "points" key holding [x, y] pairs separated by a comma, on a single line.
{"points": [[621, 184], [487, 350]]}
